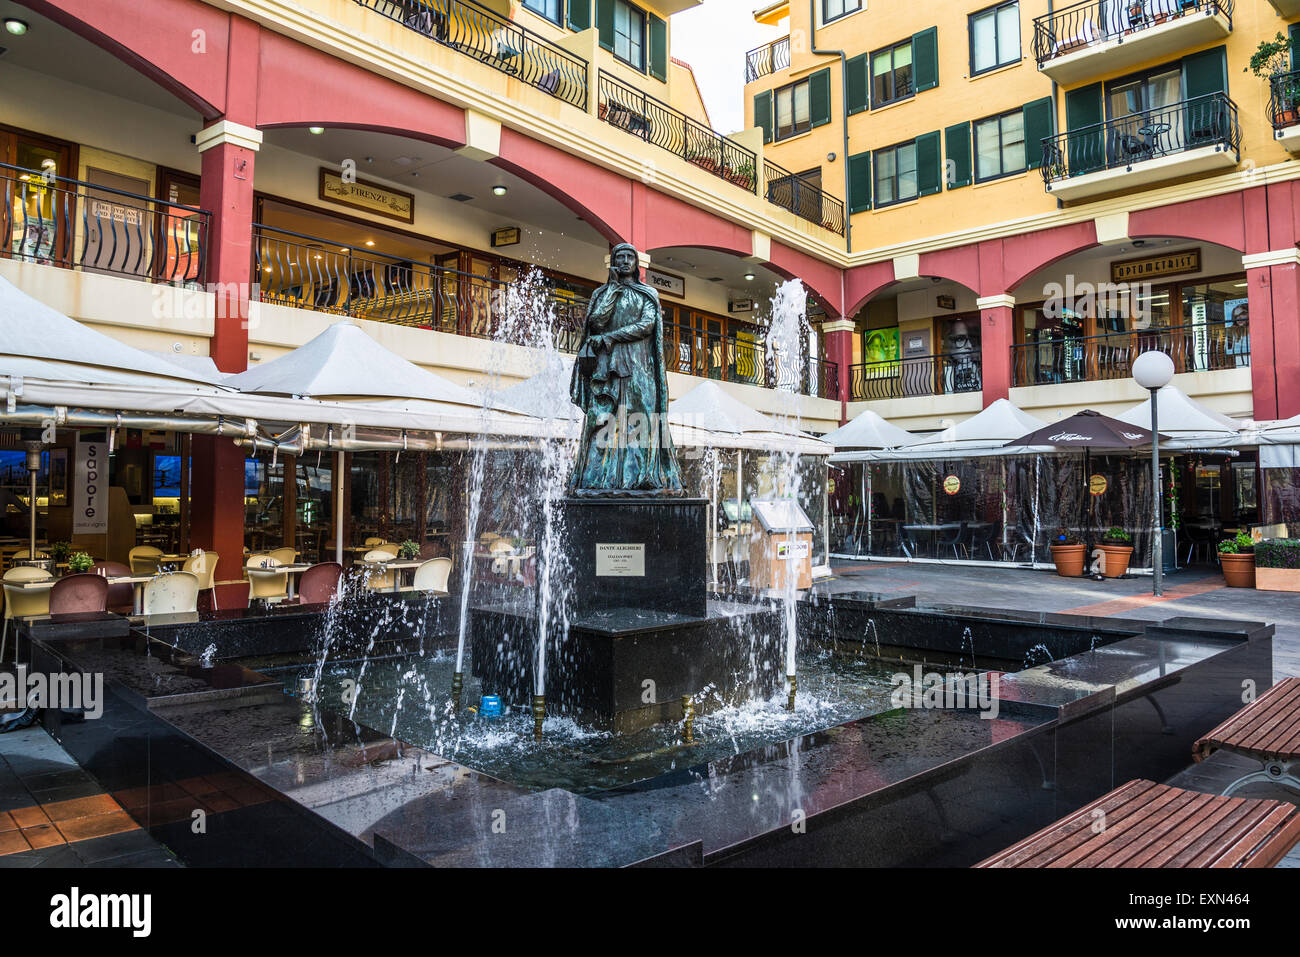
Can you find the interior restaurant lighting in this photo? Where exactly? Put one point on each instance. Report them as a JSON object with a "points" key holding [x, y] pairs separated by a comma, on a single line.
{"points": [[15, 26], [498, 190]]}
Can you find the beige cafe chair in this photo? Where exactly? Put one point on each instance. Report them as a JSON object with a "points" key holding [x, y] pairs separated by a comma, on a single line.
{"points": [[266, 581], [285, 556], [372, 541], [432, 576], [501, 551], [21, 601], [203, 566], [143, 560], [25, 554], [175, 593], [379, 577]]}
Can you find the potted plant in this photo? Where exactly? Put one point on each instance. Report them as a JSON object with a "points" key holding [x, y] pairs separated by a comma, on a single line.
{"points": [[1237, 558], [1277, 565], [408, 551], [1117, 545], [1068, 553], [80, 562], [1271, 62], [60, 551]]}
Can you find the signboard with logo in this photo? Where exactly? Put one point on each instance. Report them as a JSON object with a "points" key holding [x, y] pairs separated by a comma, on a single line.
{"points": [[1097, 485], [368, 197], [505, 236], [90, 487], [952, 485], [1153, 267], [666, 283]]}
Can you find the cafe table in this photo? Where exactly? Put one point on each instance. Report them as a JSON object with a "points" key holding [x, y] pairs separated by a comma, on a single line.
{"points": [[397, 565]]}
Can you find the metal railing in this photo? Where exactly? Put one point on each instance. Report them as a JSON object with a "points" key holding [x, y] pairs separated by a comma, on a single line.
{"points": [[1209, 120], [729, 358], [1096, 21], [1205, 347], [803, 198], [656, 122], [916, 376], [70, 223], [767, 59], [311, 273], [492, 39], [1284, 99]]}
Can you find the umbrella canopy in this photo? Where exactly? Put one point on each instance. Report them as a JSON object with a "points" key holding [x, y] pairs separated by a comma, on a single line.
{"points": [[1185, 421], [1088, 430], [985, 433], [711, 407], [868, 431]]}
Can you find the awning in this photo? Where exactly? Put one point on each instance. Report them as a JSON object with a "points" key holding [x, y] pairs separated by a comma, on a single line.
{"points": [[868, 431], [985, 433], [1185, 423]]}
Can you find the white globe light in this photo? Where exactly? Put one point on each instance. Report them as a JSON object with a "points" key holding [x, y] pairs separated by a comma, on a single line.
{"points": [[1153, 370]]}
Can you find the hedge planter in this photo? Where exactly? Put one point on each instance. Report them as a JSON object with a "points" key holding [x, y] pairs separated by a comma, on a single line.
{"points": [[1117, 559], [1238, 569], [1069, 559], [1277, 565]]}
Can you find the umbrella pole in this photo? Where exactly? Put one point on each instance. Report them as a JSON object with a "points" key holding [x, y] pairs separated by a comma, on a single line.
{"points": [[339, 478], [866, 501], [31, 490]]}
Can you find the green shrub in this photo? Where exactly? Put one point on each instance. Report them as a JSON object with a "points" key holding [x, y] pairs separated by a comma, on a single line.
{"points": [[1117, 536], [1241, 545], [1278, 553]]}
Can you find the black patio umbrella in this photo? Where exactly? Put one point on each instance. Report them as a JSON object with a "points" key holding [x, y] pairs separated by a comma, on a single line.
{"points": [[1088, 430]]}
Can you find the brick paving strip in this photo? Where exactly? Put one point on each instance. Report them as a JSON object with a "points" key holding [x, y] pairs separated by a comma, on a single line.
{"points": [[1118, 606], [62, 822]]}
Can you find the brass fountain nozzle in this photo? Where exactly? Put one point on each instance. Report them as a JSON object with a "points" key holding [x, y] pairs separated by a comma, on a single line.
{"points": [[688, 719], [794, 687], [539, 715], [457, 684]]}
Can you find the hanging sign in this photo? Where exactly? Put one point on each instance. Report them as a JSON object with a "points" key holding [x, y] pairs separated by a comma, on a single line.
{"points": [[1097, 485], [1152, 267], [89, 492], [368, 197], [505, 236], [952, 485], [666, 283]]}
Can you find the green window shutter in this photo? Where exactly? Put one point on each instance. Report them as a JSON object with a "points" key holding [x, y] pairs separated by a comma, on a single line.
{"points": [[857, 83], [605, 23], [1038, 126], [925, 59], [1085, 151], [579, 15], [859, 182], [957, 143], [658, 31], [1205, 72], [763, 114], [929, 165], [819, 97]]}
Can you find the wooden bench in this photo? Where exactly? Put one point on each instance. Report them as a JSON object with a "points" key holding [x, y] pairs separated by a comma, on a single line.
{"points": [[1268, 730], [1144, 824]]}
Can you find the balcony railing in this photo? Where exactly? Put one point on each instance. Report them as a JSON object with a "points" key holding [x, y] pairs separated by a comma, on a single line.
{"points": [[1206, 347], [1097, 21], [311, 273], [767, 59], [66, 222], [494, 40], [802, 197], [1284, 100], [728, 358], [656, 122], [1209, 120], [916, 376]]}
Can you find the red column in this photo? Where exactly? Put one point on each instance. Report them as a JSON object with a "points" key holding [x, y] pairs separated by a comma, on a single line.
{"points": [[838, 336], [1285, 280], [1263, 376], [996, 330]]}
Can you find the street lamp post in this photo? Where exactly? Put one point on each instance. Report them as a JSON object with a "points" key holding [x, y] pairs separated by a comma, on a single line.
{"points": [[1153, 371]]}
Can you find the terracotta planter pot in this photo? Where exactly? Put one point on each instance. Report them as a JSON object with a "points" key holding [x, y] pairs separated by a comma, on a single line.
{"points": [[1069, 559], [1238, 570], [1117, 559], [1277, 579]]}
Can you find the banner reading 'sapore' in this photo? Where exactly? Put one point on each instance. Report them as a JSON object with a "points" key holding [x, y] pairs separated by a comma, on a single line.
{"points": [[89, 499]]}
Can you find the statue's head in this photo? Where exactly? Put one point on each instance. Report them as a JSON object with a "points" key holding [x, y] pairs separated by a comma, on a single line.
{"points": [[623, 259]]}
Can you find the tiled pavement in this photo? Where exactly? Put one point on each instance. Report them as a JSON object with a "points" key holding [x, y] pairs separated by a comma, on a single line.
{"points": [[54, 814]]}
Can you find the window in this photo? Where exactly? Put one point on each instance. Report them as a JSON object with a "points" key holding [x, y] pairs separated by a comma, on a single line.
{"points": [[629, 34], [834, 9], [891, 74], [793, 109], [550, 9], [895, 174], [994, 37], [1000, 146]]}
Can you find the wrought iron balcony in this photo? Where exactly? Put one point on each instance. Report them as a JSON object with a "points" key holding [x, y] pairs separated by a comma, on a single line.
{"points": [[1284, 100], [767, 59], [1073, 161], [802, 197], [916, 376], [729, 358], [1205, 347], [494, 40], [656, 122], [66, 222]]}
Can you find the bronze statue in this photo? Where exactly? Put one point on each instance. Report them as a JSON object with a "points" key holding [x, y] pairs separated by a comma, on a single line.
{"points": [[621, 386]]}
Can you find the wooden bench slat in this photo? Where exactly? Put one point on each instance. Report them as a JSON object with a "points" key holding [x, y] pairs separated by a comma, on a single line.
{"points": [[1242, 818], [1278, 846], [1119, 830], [1282, 736], [1189, 838], [1136, 841], [1277, 700], [1276, 715], [1242, 849], [1195, 854]]}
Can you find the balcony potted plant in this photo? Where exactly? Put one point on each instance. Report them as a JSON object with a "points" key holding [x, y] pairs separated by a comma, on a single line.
{"points": [[60, 551], [1271, 62], [80, 563], [1117, 545], [1277, 565], [408, 551], [1237, 558], [1068, 553]]}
